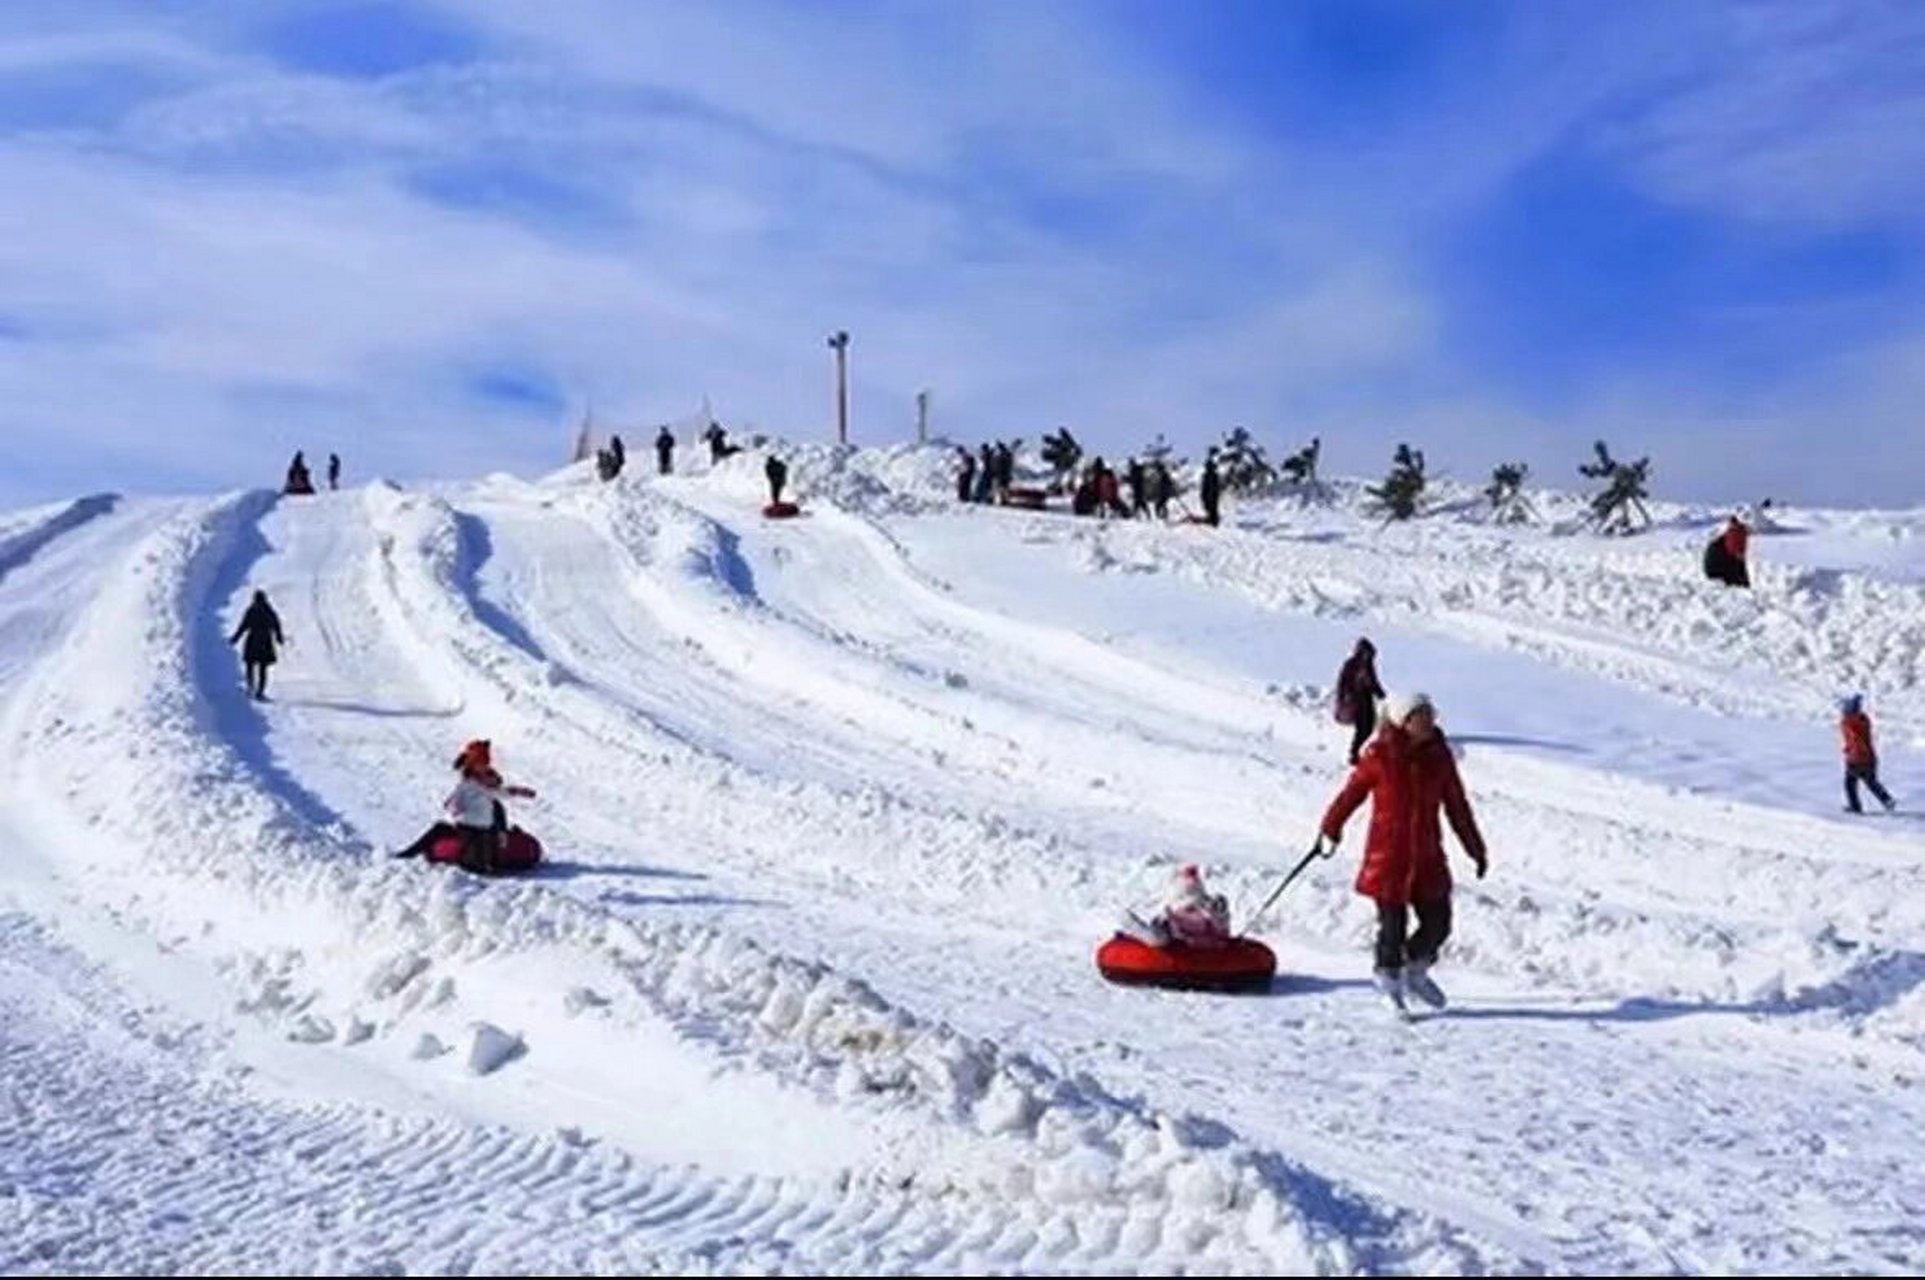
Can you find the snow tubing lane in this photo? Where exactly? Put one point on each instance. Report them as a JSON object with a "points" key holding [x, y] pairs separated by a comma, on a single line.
{"points": [[781, 511], [1243, 964], [519, 851]]}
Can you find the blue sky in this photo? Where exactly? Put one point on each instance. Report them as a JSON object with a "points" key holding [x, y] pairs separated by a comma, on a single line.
{"points": [[429, 235]]}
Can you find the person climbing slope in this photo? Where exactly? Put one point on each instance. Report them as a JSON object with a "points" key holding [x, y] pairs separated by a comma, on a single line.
{"points": [[261, 627], [1357, 692], [1861, 758]]}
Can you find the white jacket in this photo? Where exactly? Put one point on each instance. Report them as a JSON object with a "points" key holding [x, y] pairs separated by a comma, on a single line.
{"points": [[472, 803]]}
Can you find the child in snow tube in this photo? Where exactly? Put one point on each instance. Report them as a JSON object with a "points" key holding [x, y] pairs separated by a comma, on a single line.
{"points": [[1192, 917], [480, 819], [1187, 947]]}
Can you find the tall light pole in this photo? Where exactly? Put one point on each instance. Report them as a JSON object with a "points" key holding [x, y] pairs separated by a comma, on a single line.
{"points": [[839, 343]]}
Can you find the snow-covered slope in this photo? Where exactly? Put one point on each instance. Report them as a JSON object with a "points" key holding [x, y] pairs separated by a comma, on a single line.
{"points": [[837, 809]]}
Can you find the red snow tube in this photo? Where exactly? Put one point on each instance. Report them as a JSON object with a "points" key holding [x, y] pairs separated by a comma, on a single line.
{"points": [[1242, 964], [781, 510], [1033, 499], [519, 851]]}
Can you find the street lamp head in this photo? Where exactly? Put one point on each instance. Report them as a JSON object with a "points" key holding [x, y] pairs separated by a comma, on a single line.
{"points": [[839, 339]]}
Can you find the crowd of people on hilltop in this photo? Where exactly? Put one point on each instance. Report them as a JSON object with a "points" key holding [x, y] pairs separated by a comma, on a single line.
{"points": [[1140, 491]]}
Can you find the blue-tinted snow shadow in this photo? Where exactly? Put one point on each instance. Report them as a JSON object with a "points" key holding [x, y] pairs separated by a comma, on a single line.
{"points": [[550, 870], [20, 548], [630, 898], [1880, 980], [1514, 740], [221, 681], [369, 709], [477, 547]]}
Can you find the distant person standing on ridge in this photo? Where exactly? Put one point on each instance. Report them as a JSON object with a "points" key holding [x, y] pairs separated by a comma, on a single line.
{"points": [[334, 471], [778, 473], [1162, 488], [261, 627], [1212, 490], [664, 452], [965, 473], [1136, 483]]}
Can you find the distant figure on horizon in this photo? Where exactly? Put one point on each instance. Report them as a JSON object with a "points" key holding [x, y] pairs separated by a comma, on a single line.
{"points": [[298, 479], [1211, 490], [664, 452], [334, 471], [778, 473]]}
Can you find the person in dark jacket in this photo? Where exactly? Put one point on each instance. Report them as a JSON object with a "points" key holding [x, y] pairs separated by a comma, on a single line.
{"points": [[618, 451], [965, 473], [1005, 471], [1409, 775], [334, 471], [1357, 692], [262, 628], [1211, 490], [298, 479], [1162, 488], [778, 473], [664, 451], [986, 474], [1137, 484], [718, 439]]}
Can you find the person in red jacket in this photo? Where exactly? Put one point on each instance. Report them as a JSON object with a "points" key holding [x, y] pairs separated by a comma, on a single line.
{"points": [[1861, 759], [1737, 538], [1410, 776]]}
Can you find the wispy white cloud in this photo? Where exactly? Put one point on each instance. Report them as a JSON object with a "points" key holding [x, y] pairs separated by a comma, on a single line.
{"points": [[643, 204]]}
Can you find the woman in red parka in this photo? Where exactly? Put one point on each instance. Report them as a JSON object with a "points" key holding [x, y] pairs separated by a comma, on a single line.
{"points": [[1409, 774]]}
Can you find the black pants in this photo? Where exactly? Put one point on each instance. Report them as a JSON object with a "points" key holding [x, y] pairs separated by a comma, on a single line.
{"points": [[257, 680], [1395, 949], [775, 489], [1210, 515], [1366, 724], [664, 464], [1867, 774]]}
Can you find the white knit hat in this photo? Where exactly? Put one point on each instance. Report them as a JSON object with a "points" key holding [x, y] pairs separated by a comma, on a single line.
{"points": [[1398, 705]]}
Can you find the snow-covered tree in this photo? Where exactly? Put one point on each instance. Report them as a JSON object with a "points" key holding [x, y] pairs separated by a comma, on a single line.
{"points": [[1244, 466], [1619, 506], [1505, 493], [1402, 491], [1061, 453]]}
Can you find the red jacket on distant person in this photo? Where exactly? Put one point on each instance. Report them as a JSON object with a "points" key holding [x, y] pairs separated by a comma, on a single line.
{"points": [[1736, 537], [1857, 729], [1409, 784]]}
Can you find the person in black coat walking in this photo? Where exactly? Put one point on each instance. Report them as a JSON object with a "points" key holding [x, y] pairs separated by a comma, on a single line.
{"points": [[262, 628], [334, 471], [1358, 690], [965, 473], [778, 473], [665, 451]]}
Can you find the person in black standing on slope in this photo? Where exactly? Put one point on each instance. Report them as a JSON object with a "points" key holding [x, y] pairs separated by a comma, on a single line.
{"points": [[778, 473], [1358, 690], [665, 452], [1212, 490], [262, 628], [965, 473], [1137, 484], [1162, 488], [334, 471]]}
